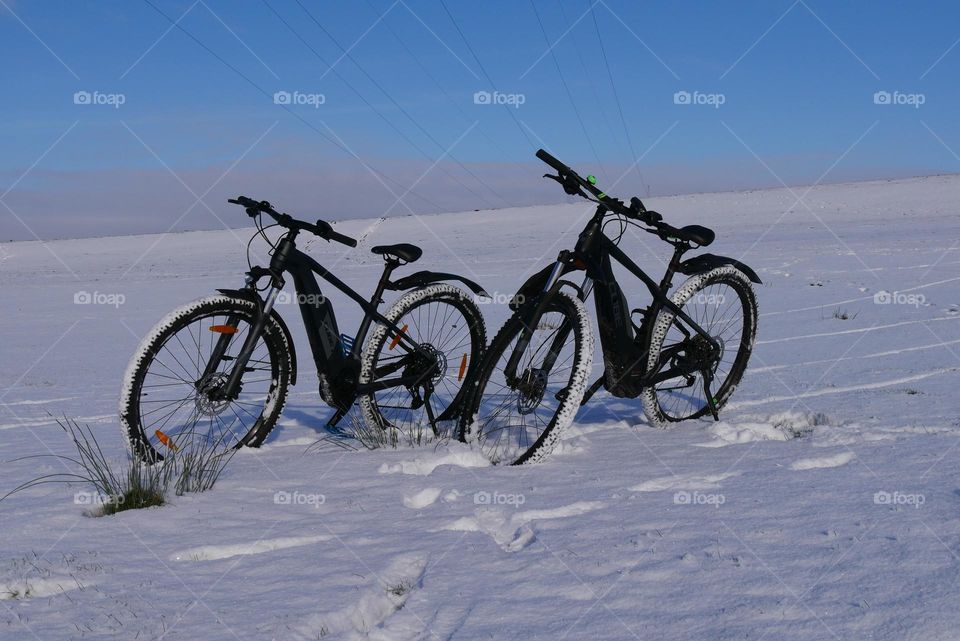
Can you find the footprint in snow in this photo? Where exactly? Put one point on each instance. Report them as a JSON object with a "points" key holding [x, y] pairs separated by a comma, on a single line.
{"points": [[422, 499], [683, 482], [514, 532], [822, 462], [376, 604], [214, 552], [459, 457]]}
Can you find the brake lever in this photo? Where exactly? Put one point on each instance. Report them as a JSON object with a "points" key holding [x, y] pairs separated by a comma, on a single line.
{"points": [[552, 177], [325, 228]]}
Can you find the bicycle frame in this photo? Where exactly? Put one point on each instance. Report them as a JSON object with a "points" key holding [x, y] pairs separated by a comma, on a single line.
{"points": [[320, 323], [592, 254]]}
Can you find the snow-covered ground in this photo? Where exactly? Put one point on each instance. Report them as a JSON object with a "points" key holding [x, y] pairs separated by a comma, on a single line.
{"points": [[824, 505]]}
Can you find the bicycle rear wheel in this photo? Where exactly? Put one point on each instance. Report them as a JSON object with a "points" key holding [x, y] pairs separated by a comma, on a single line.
{"points": [[723, 303], [446, 324]]}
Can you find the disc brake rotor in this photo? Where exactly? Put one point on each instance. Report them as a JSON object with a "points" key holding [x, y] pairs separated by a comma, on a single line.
{"points": [[530, 391], [206, 399]]}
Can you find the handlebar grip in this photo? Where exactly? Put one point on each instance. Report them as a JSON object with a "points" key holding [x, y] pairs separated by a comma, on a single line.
{"points": [[325, 230], [346, 240], [550, 160]]}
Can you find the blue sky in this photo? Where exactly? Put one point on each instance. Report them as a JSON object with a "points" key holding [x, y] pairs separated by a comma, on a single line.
{"points": [[786, 92]]}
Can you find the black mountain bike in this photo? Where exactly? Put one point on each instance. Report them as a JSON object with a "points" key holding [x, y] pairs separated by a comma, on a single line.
{"points": [[218, 369], [683, 355]]}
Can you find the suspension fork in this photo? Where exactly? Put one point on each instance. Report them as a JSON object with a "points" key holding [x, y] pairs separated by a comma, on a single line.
{"points": [[550, 290], [232, 387]]}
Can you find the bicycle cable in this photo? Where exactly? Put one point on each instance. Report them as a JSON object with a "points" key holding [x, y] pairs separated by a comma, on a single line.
{"points": [[258, 223]]}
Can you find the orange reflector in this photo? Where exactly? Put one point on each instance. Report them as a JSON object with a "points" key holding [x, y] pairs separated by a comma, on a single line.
{"points": [[396, 339], [166, 440], [223, 329], [463, 368]]}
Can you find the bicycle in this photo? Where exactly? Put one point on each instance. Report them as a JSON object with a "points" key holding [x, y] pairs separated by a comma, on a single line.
{"points": [[682, 355], [216, 371]]}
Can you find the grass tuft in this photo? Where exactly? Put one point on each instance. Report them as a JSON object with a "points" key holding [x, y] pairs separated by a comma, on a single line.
{"points": [[134, 484]]}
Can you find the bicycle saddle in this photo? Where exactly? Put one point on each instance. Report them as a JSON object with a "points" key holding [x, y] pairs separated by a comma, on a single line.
{"points": [[696, 234], [403, 251]]}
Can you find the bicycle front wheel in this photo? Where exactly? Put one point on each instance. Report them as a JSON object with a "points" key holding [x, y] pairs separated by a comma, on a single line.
{"points": [[520, 421], [169, 401]]}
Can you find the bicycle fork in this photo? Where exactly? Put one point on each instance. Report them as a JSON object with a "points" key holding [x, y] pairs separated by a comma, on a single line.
{"points": [[231, 389], [533, 375]]}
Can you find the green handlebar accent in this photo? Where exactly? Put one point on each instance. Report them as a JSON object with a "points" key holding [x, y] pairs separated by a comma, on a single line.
{"points": [[592, 179]]}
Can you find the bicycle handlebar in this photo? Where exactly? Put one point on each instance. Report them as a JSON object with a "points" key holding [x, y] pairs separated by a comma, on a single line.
{"points": [[322, 228], [635, 210]]}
